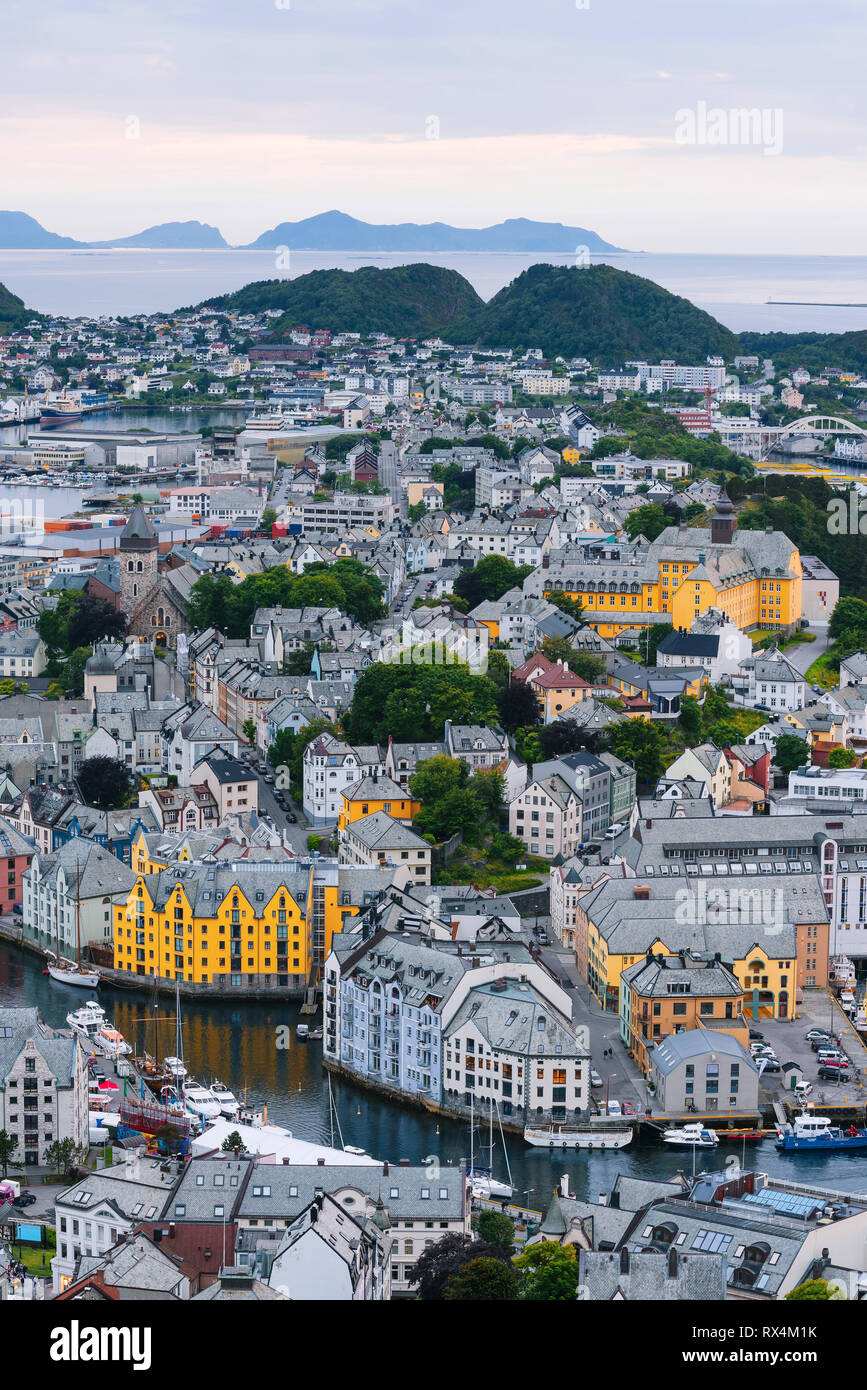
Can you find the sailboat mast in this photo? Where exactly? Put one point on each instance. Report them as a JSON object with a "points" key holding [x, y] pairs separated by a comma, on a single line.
{"points": [[471, 1134], [78, 911]]}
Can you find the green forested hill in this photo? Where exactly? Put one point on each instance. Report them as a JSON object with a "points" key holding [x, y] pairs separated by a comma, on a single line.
{"points": [[13, 311], [405, 300], [600, 312]]}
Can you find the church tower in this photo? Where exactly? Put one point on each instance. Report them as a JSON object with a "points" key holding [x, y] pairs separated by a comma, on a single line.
{"points": [[724, 523], [139, 552]]}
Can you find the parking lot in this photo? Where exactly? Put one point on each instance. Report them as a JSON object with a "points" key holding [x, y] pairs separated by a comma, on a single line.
{"points": [[788, 1040]]}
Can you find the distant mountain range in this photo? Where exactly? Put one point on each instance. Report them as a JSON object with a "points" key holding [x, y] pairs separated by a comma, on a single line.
{"points": [[328, 231]]}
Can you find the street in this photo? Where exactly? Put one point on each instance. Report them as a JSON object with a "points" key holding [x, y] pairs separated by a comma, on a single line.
{"points": [[805, 653]]}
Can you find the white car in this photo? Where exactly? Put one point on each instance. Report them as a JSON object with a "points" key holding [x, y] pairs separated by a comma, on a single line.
{"points": [[595, 1079], [614, 1109], [614, 830]]}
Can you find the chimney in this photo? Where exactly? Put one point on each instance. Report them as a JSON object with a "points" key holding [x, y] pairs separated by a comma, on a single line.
{"points": [[320, 1162], [615, 1200], [564, 1185], [672, 1263], [642, 892], [624, 1260], [385, 1170]]}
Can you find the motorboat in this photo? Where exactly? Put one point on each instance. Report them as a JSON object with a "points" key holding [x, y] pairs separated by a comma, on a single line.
{"points": [[199, 1101], [693, 1136], [111, 1042], [302, 1031], [811, 1132], [558, 1136], [842, 971], [228, 1103], [175, 1067], [87, 1021]]}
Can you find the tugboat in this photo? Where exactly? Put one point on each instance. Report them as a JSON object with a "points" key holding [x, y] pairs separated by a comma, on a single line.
{"points": [[690, 1137], [811, 1132]]}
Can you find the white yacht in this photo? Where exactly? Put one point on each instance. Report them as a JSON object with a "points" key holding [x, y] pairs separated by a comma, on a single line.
{"points": [[690, 1137], [199, 1101], [267, 424], [87, 1021], [175, 1067], [228, 1103], [111, 1042]]}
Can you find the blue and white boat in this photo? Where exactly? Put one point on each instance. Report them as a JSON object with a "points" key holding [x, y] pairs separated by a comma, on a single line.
{"points": [[811, 1132], [693, 1136]]}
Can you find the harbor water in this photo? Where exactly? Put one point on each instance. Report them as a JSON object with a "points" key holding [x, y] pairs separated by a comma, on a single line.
{"points": [[244, 1046]]}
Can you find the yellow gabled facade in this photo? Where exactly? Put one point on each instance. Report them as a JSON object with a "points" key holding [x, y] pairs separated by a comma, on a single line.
{"points": [[236, 941]]}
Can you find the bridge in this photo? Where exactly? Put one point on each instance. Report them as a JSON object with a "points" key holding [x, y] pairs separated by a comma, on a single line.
{"points": [[813, 427]]}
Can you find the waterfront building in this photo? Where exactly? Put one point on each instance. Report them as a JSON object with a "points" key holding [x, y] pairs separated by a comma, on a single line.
{"points": [[43, 1085], [704, 1068], [69, 896]]}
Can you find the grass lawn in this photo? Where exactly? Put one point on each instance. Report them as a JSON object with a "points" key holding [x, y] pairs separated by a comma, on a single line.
{"points": [[823, 674], [798, 640], [31, 1255], [487, 871]]}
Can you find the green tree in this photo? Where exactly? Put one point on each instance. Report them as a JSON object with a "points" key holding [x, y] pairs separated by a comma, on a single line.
{"points": [[233, 1141], [490, 788], [104, 782], [63, 1154], [443, 1258], [690, 718], [842, 757], [483, 1280], [269, 516], [549, 1272], [641, 743], [449, 803], [412, 702], [850, 615], [73, 672], [496, 1229], [811, 1291], [490, 579], [8, 1148], [416, 512], [647, 521], [248, 729], [790, 752]]}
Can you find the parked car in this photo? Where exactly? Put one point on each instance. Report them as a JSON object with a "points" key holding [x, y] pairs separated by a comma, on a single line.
{"points": [[756, 1036], [802, 1090], [771, 1064], [816, 1035], [291, 817], [595, 1079], [628, 1108], [832, 1054], [833, 1071], [614, 830], [614, 1109], [25, 1200], [819, 1044]]}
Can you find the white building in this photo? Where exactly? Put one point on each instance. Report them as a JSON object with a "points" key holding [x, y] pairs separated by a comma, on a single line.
{"points": [[43, 1085]]}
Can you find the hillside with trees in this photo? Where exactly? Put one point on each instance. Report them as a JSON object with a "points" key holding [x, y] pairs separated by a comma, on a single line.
{"points": [[598, 311]]}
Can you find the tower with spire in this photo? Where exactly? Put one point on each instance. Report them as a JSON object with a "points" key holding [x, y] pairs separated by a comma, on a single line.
{"points": [[139, 553]]}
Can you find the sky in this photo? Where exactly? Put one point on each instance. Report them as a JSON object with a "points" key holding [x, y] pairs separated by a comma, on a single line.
{"points": [[616, 115]]}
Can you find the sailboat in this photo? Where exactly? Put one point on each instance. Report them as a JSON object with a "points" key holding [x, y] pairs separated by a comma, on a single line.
{"points": [[67, 972], [482, 1184]]}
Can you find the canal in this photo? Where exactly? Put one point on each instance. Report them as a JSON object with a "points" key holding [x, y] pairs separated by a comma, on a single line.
{"points": [[240, 1045]]}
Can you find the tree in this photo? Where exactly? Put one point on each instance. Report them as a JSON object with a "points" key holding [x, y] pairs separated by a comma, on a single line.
{"points": [[562, 737], [63, 1154], [811, 1291], [416, 512], [850, 615], [269, 516], [641, 743], [573, 607], [549, 1272], [489, 786], [233, 1141], [92, 619], [449, 802], [248, 729], [841, 757], [647, 521], [497, 1229], [519, 707], [499, 671], [655, 634], [790, 752], [8, 1147], [104, 782], [482, 1280], [689, 718], [411, 702], [74, 670], [443, 1258], [490, 579]]}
